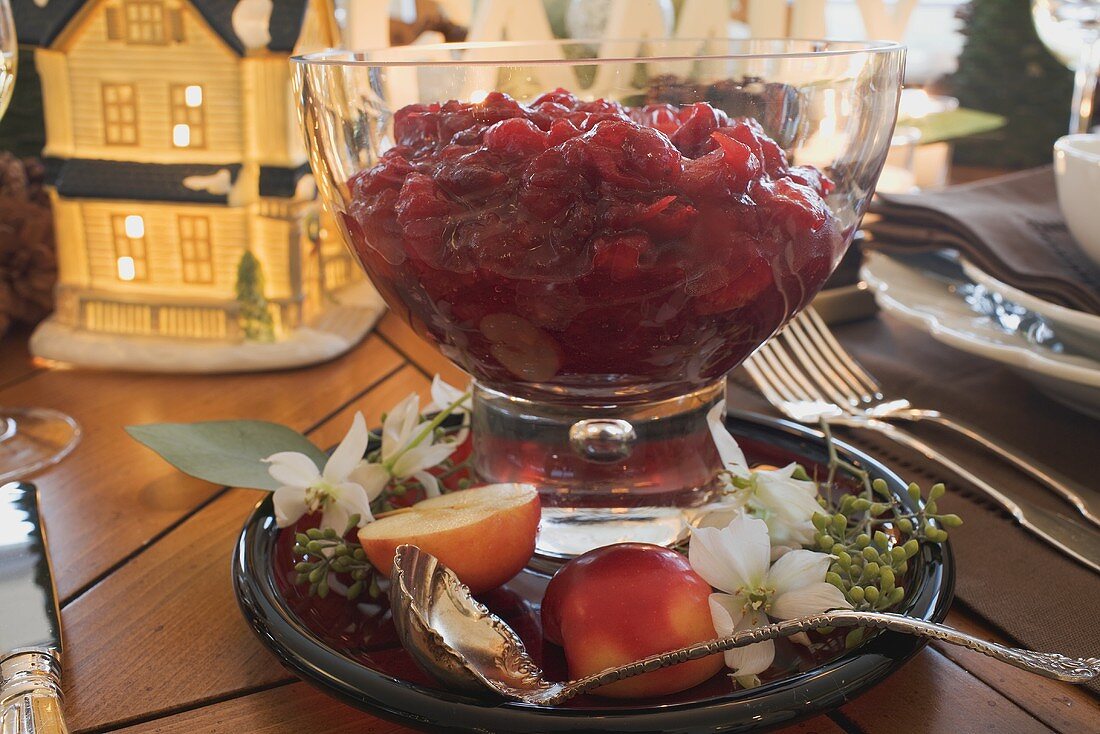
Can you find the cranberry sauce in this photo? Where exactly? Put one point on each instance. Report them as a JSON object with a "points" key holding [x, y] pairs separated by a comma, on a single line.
{"points": [[574, 243]]}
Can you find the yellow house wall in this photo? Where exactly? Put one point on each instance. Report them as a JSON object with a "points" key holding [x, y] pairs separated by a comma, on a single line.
{"points": [[229, 234], [273, 238], [319, 30], [271, 125], [272, 133], [72, 261], [53, 71], [203, 58]]}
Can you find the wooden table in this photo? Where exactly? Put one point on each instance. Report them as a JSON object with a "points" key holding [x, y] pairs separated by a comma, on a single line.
{"points": [[154, 641]]}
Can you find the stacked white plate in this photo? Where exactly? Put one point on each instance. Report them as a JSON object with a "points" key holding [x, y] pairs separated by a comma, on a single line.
{"points": [[1055, 348]]}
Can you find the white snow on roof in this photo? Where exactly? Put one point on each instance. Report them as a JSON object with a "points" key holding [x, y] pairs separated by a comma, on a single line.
{"points": [[217, 183], [252, 22]]}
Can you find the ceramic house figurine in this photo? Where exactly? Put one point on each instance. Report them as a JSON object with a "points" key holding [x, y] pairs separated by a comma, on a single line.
{"points": [[189, 236]]}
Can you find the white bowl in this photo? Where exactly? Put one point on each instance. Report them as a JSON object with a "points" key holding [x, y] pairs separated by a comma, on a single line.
{"points": [[1077, 172]]}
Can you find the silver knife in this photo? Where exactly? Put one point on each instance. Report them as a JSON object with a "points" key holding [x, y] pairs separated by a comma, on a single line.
{"points": [[1077, 540], [30, 629]]}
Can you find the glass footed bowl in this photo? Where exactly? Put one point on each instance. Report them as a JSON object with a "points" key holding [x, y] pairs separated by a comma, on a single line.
{"points": [[598, 233]]}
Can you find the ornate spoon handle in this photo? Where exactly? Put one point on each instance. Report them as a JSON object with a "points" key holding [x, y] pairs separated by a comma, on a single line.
{"points": [[1048, 664]]}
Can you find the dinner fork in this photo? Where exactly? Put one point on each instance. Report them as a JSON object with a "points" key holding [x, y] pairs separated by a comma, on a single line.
{"points": [[822, 381]]}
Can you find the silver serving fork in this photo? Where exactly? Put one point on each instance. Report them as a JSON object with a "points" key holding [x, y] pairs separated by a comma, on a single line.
{"points": [[809, 377]]}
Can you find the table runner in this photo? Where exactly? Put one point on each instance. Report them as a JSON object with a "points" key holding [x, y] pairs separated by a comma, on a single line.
{"points": [[1032, 593]]}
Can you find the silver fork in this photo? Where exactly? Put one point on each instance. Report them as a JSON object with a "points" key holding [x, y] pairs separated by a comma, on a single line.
{"points": [[822, 381]]}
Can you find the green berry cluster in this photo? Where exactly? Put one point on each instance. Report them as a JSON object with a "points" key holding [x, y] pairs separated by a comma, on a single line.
{"points": [[324, 552], [872, 536]]}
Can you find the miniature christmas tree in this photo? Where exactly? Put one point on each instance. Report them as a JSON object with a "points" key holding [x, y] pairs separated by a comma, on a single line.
{"points": [[254, 316], [1005, 69]]}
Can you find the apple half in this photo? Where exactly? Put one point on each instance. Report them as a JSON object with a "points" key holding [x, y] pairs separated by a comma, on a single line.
{"points": [[486, 535]]}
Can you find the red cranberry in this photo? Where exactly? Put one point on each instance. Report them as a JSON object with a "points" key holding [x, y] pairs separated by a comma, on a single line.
{"points": [[571, 240], [516, 137]]}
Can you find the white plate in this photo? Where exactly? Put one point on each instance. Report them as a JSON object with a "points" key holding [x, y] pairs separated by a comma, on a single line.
{"points": [[931, 295], [1078, 330]]}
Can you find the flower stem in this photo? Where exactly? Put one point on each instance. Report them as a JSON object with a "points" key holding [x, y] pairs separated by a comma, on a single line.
{"points": [[427, 430]]}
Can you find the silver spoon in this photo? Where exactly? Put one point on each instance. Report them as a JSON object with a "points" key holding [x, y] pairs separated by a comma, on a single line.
{"points": [[468, 648]]}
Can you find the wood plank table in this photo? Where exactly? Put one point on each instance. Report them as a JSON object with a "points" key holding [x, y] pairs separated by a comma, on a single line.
{"points": [[154, 639]]}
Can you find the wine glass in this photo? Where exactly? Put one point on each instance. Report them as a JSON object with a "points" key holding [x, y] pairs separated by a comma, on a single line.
{"points": [[31, 439], [599, 239], [1071, 30]]}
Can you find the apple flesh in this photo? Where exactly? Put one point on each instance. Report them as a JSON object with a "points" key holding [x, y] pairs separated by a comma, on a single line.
{"points": [[485, 535], [623, 602]]}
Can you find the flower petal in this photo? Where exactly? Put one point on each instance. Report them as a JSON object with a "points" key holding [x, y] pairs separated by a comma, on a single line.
{"points": [[730, 453], [786, 533], [428, 482], [400, 425], [787, 506], [809, 599], [717, 515], [349, 453], [797, 569], [422, 457], [354, 500], [751, 659], [373, 478], [445, 395], [726, 611], [293, 469], [785, 496], [733, 557], [334, 516], [778, 551], [290, 505]]}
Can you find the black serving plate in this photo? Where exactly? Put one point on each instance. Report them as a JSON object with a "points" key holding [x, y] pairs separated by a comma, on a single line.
{"points": [[349, 649]]}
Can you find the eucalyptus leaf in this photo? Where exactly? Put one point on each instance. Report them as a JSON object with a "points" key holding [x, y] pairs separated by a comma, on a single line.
{"points": [[229, 453], [953, 124]]}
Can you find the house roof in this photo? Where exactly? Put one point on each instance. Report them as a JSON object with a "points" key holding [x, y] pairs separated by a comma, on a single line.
{"points": [[39, 25], [281, 182], [83, 178]]}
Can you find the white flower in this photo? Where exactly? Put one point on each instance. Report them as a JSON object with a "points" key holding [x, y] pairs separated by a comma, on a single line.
{"points": [[408, 450], [331, 490], [446, 396], [735, 560], [786, 504]]}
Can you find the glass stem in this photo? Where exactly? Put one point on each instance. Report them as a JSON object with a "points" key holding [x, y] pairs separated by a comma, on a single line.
{"points": [[1084, 87]]}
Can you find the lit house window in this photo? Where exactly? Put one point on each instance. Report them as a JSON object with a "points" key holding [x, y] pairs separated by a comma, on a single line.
{"points": [[195, 250], [188, 118], [128, 231], [120, 114]]}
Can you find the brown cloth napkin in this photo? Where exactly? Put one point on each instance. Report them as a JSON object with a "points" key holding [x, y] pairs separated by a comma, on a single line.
{"points": [[1010, 227], [1033, 594]]}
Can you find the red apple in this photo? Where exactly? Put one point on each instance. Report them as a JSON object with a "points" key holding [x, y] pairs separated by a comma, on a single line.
{"points": [[485, 535], [624, 602]]}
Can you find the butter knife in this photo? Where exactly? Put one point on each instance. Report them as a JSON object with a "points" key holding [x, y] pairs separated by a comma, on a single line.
{"points": [[1077, 540], [30, 629]]}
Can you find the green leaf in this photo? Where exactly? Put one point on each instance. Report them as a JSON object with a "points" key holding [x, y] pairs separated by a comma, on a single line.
{"points": [[229, 453], [953, 124]]}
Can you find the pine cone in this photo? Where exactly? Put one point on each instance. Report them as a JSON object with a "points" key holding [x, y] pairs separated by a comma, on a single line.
{"points": [[28, 263]]}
